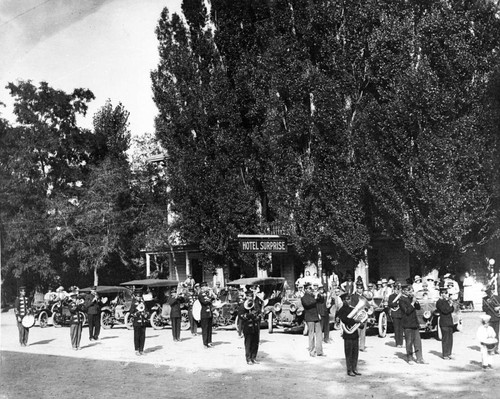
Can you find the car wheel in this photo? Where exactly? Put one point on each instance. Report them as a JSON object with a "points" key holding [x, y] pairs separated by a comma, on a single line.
{"points": [[83, 318], [43, 319], [106, 320], [382, 325], [185, 325], [129, 321], [270, 327], [156, 321], [56, 320]]}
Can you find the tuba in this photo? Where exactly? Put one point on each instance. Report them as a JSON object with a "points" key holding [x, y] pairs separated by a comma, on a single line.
{"points": [[360, 313]]}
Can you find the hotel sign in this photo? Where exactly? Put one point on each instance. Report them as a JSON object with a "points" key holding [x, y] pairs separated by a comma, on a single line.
{"points": [[262, 243]]}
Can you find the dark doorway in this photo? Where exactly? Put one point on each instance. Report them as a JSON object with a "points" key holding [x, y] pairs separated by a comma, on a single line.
{"points": [[196, 270]]}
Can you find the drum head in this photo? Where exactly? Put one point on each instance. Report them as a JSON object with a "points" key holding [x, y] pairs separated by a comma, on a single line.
{"points": [[197, 310], [28, 321]]}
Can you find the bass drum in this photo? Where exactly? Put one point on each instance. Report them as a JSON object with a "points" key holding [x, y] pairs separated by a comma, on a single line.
{"points": [[197, 310], [28, 321]]}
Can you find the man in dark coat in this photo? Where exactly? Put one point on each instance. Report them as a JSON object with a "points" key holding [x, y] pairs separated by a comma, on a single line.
{"points": [[250, 319], [324, 312], [396, 315], [138, 311], [21, 309], [350, 334], [411, 326], [444, 306], [310, 302], [492, 308], [206, 316], [175, 302], [93, 305]]}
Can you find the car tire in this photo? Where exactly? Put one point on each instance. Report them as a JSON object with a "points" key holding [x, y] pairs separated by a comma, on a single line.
{"points": [[83, 317], [185, 325], [382, 325], [106, 320], [156, 321], [56, 320], [43, 319]]}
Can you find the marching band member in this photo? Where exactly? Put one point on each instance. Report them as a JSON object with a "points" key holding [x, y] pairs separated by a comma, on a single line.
{"points": [[249, 313], [491, 306], [138, 310], [409, 321], [396, 315], [324, 312], [93, 305], [310, 302], [175, 302], [350, 334], [206, 317], [445, 307], [355, 298], [75, 308], [21, 309]]}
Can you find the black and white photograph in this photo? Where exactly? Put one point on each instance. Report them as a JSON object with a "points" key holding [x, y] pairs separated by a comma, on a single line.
{"points": [[250, 198]]}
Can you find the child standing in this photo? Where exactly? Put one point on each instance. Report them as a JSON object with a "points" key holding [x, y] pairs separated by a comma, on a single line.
{"points": [[487, 339]]}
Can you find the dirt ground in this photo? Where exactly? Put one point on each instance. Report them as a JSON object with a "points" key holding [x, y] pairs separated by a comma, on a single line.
{"points": [[109, 368]]}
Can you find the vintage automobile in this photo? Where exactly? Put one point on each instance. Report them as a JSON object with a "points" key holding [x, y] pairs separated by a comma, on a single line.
{"points": [[61, 315], [271, 292], [428, 315], [156, 294], [378, 316], [116, 304], [226, 308], [42, 312]]}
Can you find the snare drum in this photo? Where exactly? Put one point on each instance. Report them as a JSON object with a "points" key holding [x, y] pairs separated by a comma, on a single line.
{"points": [[28, 321], [490, 343]]}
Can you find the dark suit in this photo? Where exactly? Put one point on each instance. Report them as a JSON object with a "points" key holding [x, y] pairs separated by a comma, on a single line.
{"points": [[250, 320], [396, 315], [206, 318], [175, 315], [93, 306], [411, 327], [140, 322], [445, 309], [351, 339]]}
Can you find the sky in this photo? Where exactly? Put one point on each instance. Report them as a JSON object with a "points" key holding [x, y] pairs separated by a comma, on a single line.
{"points": [[107, 46]]}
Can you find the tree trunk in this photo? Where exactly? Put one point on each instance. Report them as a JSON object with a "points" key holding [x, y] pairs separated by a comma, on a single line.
{"points": [[96, 277]]}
